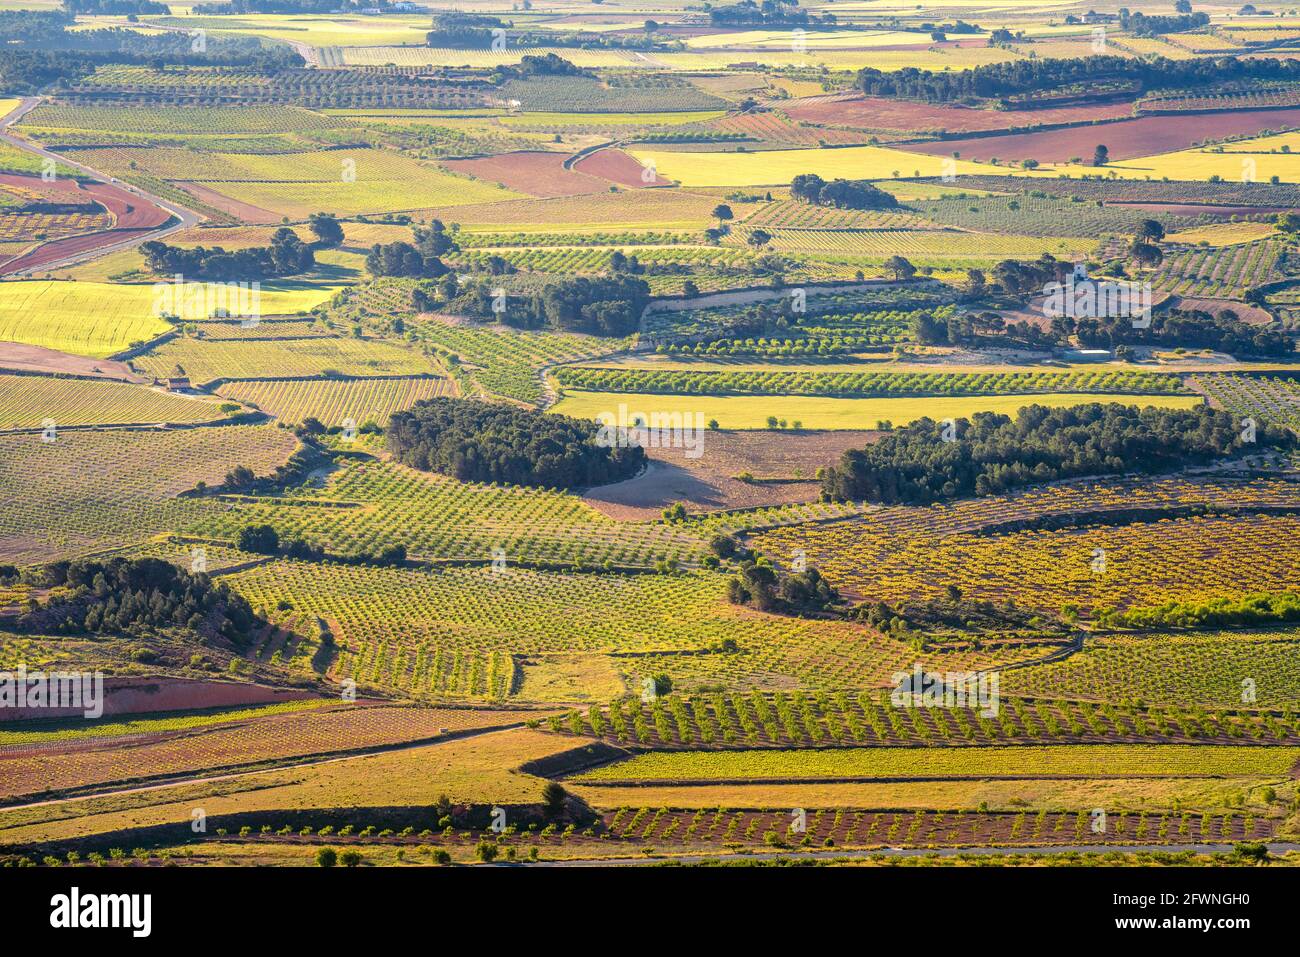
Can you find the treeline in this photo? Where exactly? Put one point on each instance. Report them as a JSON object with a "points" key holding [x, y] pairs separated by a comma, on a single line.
{"points": [[37, 49], [596, 305], [283, 6], [1189, 329], [116, 8], [481, 442], [1025, 76], [265, 540], [136, 597], [286, 256], [1152, 25], [454, 28], [840, 193], [1253, 609], [989, 453], [769, 12]]}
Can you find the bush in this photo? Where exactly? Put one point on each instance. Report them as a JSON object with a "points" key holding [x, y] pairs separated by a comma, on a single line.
{"points": [[327, 857]]}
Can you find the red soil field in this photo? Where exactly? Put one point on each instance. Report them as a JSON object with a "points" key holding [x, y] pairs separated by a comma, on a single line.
{"points": [[617, 167], [25, 358], [244, 212], [1125, 139], [133, 216], [535, 173], [143, 695], [876, 113]]}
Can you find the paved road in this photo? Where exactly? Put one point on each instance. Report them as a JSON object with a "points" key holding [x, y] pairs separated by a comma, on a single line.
{"points": [[185, 217]]}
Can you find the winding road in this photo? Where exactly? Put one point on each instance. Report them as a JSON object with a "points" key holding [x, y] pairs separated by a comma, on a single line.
{"points": [[183, 218]]}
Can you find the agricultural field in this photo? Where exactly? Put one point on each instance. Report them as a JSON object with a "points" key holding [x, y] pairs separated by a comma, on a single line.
{"points": [[650, 433], [830, 412]]}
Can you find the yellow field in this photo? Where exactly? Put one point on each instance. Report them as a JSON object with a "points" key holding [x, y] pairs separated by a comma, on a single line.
{"points": [[821, 412], [98, 319], [772, 167], [812, 39], [1224, 234]]}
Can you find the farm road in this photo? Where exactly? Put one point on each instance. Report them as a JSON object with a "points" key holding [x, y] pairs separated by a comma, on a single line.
{"points": [[186, 218]]}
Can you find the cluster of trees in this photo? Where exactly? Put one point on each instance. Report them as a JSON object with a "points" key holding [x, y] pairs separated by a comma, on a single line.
{"points": [[1027, 76], [840, 193], [989, 454], [1253, 609], [480, 442], [454, 28], [417, 260], [770, 12], [402, 259], [548, 64], [596, 305], [116, 8], [761, 586], [139, 596], [1151, 25], [284, 6], [265, 540], [1186, 328], [286, 256]]}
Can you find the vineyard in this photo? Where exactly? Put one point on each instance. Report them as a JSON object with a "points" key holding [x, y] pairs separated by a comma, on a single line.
{"points": [[86, 490], [439, 518], [1273, 399], [1089, 568], [207, 360], [334, 401], [380, 617], [31, 402], [838, 719], [682, 382]]}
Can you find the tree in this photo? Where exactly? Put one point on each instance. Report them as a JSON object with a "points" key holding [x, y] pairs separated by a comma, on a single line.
{"points": [[350, 858], [900, 267], [240, 477], [722, 213], [1182, 6], [1146, 254], [1152, 230], [262, 539], [806, 187], [759, 238], [327, 857], [975, 283], [325, 227], [554, 798], [1100, 156]]}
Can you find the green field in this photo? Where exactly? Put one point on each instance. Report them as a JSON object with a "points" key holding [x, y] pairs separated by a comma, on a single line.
{"points": [[821, 412]]}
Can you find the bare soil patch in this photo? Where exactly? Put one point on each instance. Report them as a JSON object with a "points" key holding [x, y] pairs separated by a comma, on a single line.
{"points": [[618, 167], [25, 358], [867, 112], [1124, 139], [783, 465], [535, 173]]}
